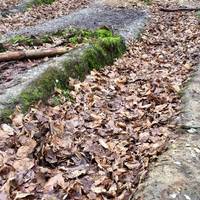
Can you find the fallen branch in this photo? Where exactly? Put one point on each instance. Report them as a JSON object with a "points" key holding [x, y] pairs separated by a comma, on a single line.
{"points": [[31, 54], [179, 9]]}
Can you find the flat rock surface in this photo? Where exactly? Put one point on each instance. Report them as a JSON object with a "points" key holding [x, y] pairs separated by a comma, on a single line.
{"points": [[176, 173], [23, 80], [191, 102], [124, 21]]}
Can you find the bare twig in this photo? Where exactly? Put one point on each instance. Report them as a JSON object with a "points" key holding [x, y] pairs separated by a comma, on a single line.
{"points": [[30, 54], [179, 9]]}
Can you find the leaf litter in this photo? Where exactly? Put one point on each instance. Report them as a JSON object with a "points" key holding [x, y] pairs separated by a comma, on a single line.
{"points": [[5, 5], [100, 145], [39, 14], [68, 38]]}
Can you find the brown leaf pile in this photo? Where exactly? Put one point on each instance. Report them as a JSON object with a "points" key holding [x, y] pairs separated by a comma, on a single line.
{"points": [[9, 70], [99, 146], [8, 4], [38, 14]]}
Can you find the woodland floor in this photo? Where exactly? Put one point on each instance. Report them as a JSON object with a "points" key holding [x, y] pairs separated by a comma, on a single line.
{"points": [[38, 14], [100, 144]]}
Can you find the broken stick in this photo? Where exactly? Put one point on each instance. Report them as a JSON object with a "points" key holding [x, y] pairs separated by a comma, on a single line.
{"points": [[31, 54], [179, 9]]}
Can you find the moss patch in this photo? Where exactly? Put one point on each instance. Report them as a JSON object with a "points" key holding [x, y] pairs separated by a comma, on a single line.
{"points": [[148, 2], [22, 40], [2, 48], [100, 52], [5, 114], [66, 36], [198, 14], [40, 2]]}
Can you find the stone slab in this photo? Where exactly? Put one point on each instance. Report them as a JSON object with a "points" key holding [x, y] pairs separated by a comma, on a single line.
{"points": [[191, 102], [176, 174], [20, 7], [23, 80], [124, 21]]}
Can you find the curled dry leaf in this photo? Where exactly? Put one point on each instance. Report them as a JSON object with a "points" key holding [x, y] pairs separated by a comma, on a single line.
{"points": [[54, 181], [6, 130], [100, 145], [17, 120], [21, 195], [23, 164]]}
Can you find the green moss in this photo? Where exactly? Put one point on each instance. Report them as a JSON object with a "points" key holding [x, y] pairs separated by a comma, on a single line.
{"points": [[41, 89], [46, 39], [21, 39], [2, 48], [5, 115], [148, 2], [198, 14], [41, 2], [71, 35], [101, 33], [30, 41], [100, 52], [77, 36], [74, 40]]}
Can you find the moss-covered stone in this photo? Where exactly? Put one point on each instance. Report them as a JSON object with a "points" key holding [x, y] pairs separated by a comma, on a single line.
{"points": [[100, 52], [2, 48], [5, 114], [198, 14], [39, 2], [21, 39], [70, 35]]}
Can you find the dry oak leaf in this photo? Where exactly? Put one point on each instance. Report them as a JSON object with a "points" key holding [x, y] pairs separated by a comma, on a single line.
{"points": [[53, 182]]}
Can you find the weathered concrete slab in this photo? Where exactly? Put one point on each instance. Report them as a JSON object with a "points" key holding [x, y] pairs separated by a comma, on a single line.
{"points": [[123, 21], [176, 174]]}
